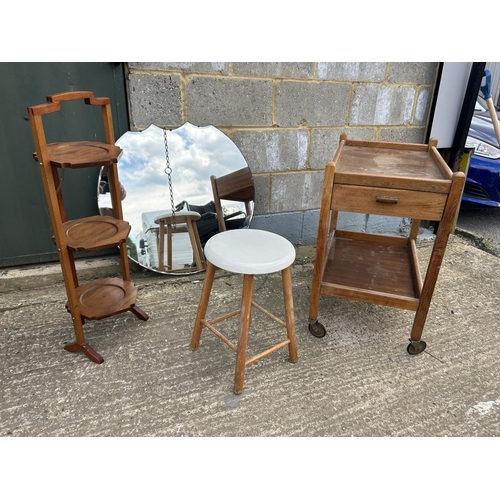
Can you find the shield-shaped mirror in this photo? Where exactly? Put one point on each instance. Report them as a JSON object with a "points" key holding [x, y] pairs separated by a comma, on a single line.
{"points": [[191, 154]]}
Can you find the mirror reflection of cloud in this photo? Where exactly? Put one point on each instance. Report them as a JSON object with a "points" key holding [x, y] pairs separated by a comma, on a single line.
{"points": [[195, 153]]}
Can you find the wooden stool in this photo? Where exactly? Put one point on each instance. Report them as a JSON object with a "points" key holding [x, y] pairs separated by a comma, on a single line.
{"points": [[248, 252], [187, 221]]}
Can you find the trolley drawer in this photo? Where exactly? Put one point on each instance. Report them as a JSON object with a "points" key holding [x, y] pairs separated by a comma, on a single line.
{"points": [[392, 202]]}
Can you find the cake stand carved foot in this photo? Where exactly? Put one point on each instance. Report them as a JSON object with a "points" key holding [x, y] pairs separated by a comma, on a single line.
{"points": [[139, 313], [87, 350]]}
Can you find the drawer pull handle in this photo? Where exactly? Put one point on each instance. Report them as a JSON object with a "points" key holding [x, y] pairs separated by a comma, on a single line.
{"points": [[387, 199]]}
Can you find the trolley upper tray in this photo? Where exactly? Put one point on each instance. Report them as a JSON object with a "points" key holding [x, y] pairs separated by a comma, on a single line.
{"points": [[409, 166]]}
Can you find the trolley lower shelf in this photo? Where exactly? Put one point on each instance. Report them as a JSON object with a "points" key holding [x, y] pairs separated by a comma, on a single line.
{"points": [[373, 268]]}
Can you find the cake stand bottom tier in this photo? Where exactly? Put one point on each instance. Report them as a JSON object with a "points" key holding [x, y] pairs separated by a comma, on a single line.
{"points": [[105, 297]]}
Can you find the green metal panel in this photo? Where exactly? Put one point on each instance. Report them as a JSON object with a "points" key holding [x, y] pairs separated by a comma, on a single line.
{"points": [[25, 229]]}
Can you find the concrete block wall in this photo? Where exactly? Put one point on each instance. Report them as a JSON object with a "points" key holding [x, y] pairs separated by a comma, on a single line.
{"points": [[286, 118]]}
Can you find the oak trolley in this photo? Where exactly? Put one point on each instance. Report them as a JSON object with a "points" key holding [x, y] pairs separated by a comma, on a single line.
{"points": [[390, 179]]}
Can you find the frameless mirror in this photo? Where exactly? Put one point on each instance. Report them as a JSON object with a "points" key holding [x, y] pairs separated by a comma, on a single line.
{"points": [[192, 154]]}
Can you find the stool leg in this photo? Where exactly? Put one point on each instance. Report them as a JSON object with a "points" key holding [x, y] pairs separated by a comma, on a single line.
{"points": [[194, 238], [169, 248], [245, 315], [202, 308], [161, 247], [289, 313]]}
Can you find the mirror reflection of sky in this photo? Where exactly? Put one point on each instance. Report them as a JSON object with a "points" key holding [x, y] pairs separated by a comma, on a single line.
{"points": [[195, 153]]}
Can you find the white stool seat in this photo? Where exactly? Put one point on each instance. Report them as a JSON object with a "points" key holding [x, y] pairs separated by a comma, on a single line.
{"points": [[180, 222], [249, 251], [180, 217]]}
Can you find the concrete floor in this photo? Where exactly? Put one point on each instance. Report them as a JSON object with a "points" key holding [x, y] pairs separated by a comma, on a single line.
{"points": [[483, 225], [356, 381]]}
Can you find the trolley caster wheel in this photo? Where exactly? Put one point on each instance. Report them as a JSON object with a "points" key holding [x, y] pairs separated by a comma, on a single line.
{"points": [[416, 347], [317, 329]]}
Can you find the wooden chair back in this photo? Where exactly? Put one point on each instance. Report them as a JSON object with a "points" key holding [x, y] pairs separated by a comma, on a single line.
{"points": [[236, 186]]}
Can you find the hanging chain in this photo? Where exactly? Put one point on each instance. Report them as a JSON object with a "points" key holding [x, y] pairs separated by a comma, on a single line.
{"points": [[168, 171]]}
